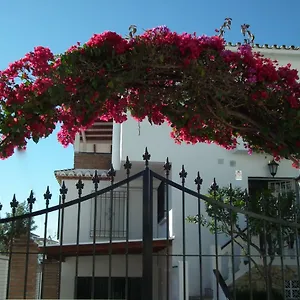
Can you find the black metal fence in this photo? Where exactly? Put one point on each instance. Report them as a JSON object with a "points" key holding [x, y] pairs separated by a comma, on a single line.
{"points": [[118, 242]]}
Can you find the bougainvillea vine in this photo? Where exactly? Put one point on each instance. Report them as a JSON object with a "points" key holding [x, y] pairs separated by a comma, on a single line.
{"points": [[205, 92]]}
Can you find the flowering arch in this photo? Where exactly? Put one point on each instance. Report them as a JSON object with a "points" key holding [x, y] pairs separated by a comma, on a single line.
{"points": [[205, 92]]}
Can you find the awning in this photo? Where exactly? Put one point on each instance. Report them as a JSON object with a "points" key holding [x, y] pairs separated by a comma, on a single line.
{"points": [[103, 248]]}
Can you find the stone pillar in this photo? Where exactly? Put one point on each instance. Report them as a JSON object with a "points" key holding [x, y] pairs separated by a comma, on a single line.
{"points": [[17, 269], [50, 279]]}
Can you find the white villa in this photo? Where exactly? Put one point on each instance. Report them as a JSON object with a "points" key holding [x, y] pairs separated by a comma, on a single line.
{"points": [[106, 143]]}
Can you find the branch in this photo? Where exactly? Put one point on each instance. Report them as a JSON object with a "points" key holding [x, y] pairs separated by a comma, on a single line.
{"points": [[245, 239], [272, 259], [240, 234], [251, 258], [228, 124]]}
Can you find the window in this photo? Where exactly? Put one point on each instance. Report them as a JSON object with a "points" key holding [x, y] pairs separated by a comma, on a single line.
{"points": [[292, 289], [161, 202], [281, 187], [278, 187], [108, 208]]}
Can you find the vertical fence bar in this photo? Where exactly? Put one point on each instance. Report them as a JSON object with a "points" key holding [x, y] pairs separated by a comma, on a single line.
{"points": [[167, 168], [215, 188], [96, 181], [79, 187], [63, 192], [296, 214], [183, 175], [246, 195], [119, 216], [47, 197], [127, 167], [105, 209], [265, 250], [281, 247], [198, 182], [30, 202], [13, 204], [147, 273], [111, 173], [59, 221], [232, 221]]}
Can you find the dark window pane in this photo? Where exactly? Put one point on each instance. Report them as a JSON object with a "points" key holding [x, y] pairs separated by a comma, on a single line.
{"points": [[135, 288], [101, 288], [83, 288]]}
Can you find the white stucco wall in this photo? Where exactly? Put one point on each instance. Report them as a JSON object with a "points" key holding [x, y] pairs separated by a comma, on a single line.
{"points": [[201, 157], [211, 160]]}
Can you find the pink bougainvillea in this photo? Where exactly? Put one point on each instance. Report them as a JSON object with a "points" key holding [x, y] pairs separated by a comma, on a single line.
{"points": [[205, 92]]}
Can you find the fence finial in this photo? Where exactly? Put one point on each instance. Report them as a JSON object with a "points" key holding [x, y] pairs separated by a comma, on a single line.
{"points": [[214, 185], [63, 191], [146, 157], [79, 187], [14, 204], [47, 196], [183, 174], [111, 172], [96, 180], [167, 167], [31, 200], [127, 165], [198, 181]]}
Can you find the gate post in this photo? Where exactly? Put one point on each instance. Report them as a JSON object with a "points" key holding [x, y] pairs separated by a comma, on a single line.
{"points": [[147, 287]]}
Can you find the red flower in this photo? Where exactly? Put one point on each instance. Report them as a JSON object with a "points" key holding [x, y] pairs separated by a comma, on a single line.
{"points": [[206, 93]]}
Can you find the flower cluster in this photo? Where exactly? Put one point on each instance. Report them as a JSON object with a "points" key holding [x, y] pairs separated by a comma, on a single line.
{"points": [[205, 92]]}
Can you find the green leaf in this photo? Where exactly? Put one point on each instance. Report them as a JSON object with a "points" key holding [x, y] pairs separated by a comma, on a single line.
{"points": [[35, 139], [94, 83], [201, 71], [111, 85]]}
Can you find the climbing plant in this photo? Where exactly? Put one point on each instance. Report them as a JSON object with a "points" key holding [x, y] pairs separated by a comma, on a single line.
{"points": [[204, 91]]}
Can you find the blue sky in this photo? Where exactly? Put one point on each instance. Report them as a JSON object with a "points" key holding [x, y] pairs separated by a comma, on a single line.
{"points": [[58, 24]]}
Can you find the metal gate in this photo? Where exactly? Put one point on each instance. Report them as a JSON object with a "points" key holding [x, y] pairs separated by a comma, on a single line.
{"points": [[260, 258]]}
